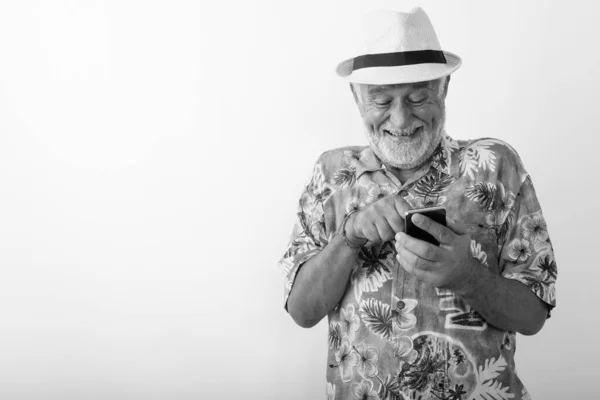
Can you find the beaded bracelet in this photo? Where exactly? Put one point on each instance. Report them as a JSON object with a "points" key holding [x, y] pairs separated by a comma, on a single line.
{"points": [[343, 228]]}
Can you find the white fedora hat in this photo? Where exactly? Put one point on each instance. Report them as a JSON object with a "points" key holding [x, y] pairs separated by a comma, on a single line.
{"points": [[399, 48]]}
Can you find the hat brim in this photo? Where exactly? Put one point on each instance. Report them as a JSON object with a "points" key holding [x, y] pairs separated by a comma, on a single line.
{"points": [[399, 74]]}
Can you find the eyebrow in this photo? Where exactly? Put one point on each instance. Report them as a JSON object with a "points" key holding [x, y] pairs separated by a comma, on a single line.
{"points": [[379, 88]]}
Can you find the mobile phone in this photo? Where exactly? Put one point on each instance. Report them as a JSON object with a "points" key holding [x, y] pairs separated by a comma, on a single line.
{"points": [[438, 214]]}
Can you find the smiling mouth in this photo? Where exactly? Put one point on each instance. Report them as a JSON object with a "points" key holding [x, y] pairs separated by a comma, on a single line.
{"points": [[401, 135]]}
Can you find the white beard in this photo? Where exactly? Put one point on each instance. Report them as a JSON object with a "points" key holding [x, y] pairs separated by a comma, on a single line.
{"points": [[405, 152]]}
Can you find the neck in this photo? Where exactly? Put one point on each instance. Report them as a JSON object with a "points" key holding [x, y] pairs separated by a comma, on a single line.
{"points": [[403, 175]]}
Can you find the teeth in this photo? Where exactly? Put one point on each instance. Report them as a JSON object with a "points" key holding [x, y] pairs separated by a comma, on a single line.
{"points": [[410, 133], [402, 134]]}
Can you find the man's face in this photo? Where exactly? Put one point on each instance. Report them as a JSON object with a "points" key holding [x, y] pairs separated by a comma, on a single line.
{"points": [[403, 122]]}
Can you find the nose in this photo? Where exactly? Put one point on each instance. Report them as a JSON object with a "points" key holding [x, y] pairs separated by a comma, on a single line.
{"points": [[400, 116]]}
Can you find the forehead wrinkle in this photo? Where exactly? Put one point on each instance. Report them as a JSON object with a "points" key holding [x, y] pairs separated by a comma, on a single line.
{"points": [[372, 89], [426, 84]]}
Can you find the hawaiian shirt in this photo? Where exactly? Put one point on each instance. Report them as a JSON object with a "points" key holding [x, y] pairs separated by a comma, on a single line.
{"points": [[394, 337]]}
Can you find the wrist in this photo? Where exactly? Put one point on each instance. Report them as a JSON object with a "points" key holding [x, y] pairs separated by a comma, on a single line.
{"points": [[348, 233]]}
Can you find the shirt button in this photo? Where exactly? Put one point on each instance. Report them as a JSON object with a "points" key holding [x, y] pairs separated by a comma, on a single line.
{"points": [[403, 193]]}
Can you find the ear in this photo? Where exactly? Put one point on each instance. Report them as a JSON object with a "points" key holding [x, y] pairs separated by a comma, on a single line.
{"points": [[445, 87], [357, 99]]}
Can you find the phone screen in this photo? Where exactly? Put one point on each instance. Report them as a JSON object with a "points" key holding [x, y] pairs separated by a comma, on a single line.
{"points": [[438, 214]]}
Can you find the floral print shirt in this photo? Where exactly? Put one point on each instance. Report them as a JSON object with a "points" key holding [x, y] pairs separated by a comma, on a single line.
{"points": [[393, 337]]}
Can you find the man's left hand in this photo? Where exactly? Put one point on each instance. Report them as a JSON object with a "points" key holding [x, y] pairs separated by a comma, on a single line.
{"points": [[447, 266]]}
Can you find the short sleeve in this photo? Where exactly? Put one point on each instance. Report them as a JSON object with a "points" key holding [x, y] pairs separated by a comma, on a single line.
{"points": [[308, 236], [527, 254]]}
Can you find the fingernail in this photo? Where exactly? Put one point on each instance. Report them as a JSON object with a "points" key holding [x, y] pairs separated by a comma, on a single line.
{"points": [[418, 218]]}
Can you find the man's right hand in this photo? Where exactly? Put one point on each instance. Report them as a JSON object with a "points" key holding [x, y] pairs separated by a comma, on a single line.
{"points": [[323, 280], [379, 221]]}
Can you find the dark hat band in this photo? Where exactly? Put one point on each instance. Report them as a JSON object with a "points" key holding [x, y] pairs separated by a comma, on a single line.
{"points": [[399, 58]]}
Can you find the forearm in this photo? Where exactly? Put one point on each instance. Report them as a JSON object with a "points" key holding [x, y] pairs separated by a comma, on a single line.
{"points": [[504, 303], [321, 283]]}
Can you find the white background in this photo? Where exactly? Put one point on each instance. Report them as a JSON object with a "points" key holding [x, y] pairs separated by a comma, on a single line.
{"points": [[152, 154]]}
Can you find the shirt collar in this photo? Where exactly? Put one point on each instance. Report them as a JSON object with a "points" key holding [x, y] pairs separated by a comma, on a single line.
{"points": [[440, 161], [368, 162]]}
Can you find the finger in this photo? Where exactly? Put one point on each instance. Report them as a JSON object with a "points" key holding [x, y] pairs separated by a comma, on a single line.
{"points": [[403, 262], [419, 247], [401, 205], [443, 234], [371, 233], [386, 232], [396, 222], [390, 212], [457, 226], [412, 260], [361, 227], [409, 268]]}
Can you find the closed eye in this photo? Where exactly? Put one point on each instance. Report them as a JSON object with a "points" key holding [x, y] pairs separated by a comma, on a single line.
{"points": [[417, 102]]}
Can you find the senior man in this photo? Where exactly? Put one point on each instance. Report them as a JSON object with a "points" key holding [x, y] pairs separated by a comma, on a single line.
{"points": [[409, 319]]}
